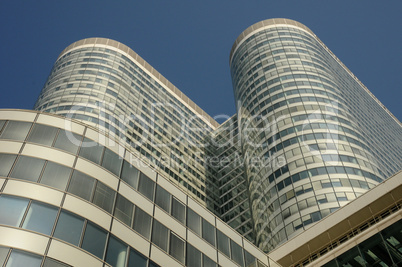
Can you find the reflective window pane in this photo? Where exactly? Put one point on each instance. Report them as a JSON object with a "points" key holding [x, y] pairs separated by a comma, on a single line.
{"points": [[160, 235], [193, 221], [136, 259], [250, 259], [237, 253], [129, 174], [40, 218], [193, 256], [42, 134], [68, 141], [208, 232], [116, 252], [16, 130], [49, 262], [94, 240], [223, 243], [69, 228], [104, 197], [162, 198], [112, 162], [55, 175], [176, 248], [146, 186], [20, 258], [12, 210], [81, 185], [28, 168], [142, 222], [207, 262], [124, 210], [3, 254], [91, 150], [6, 162], [178, 210]]}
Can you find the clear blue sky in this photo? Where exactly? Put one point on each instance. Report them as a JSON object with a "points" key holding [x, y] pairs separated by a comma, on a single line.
{"points": [[189, 41]]}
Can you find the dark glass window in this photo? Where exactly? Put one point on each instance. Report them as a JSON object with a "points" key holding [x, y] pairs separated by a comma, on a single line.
{"points": [[112, 162], [81, 185], [56, 175], [146, 186], [49, 262], [6, 162], [20, 258], [178, 210], [28, 168], [136, 259], [237, 253], [207, 262], [223, 243], [40, 218], [91, 150], [193, 256], [42, 134], [94, 240], [12, 210], [16, 130], [208, 232], [162, 198], [124, 210], [142, 222], [193, 221], [68, 141], [116, 252], [69, 228], [160, 235], [129, 174], [104, 197], [176, 247], [250, 259]]}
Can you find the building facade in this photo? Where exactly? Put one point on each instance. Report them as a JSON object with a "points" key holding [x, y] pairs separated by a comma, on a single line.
{"points": [[117, 167]]}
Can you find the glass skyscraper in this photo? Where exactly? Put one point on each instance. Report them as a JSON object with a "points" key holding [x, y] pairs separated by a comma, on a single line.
{"points": [[116, 167]]}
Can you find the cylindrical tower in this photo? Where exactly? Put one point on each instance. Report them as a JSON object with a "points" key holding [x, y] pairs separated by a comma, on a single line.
{"points": [[308, 142]]}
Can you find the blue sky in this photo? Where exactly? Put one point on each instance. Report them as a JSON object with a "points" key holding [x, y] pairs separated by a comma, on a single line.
{"points": [[189, 41]]}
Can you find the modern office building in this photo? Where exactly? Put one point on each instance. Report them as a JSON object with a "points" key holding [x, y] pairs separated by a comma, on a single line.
{"points": [[117, 167]]}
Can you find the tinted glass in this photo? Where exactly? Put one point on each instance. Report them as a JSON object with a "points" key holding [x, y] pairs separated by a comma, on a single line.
{"points": [[91, 150], [223, 243], [237, 253], [142, 222], [16, 130], [176, 248], [12, 210], [104, 197], [6, 162], [193, 221], [3, 250], [178, 210], [68, 141], [69, 228], [81, 185], [129, 174], [160, 235], [20, 258], [193, 256], [55, 175], [146, 186], [42, 134], [162, 198], [94, 240], [124, 210], [116, 252], [40, 218], [53, 263], [112, 162], [207, 262], [208, 232], [28, 168], [136, 259]]}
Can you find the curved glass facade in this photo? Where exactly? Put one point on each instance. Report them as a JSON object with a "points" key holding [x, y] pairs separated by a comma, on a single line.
{"points": [[309, 143]]}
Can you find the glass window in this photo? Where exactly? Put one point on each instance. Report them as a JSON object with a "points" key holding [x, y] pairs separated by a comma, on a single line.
{"points": [[16, 130], [91, 150], [136, 259], [42, 134], [162, 198], [94, 240], [207, 262], [129, 174], [124, 210], [49, 262], [6, 162], [28, 168], [40, 218], [193, 221], [237, 253], [193, 256], [116, 252], [223, 243], [2, 122], [20, 258], [112, 162], [12, 210], [142, 222], [68, 141], [146, 186], [208, 232], [81, 185], [69, 228], [176, 247], [160, 235], [55, 175], [104, 197], [178, 210], [3, 250], [250, 259]]}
